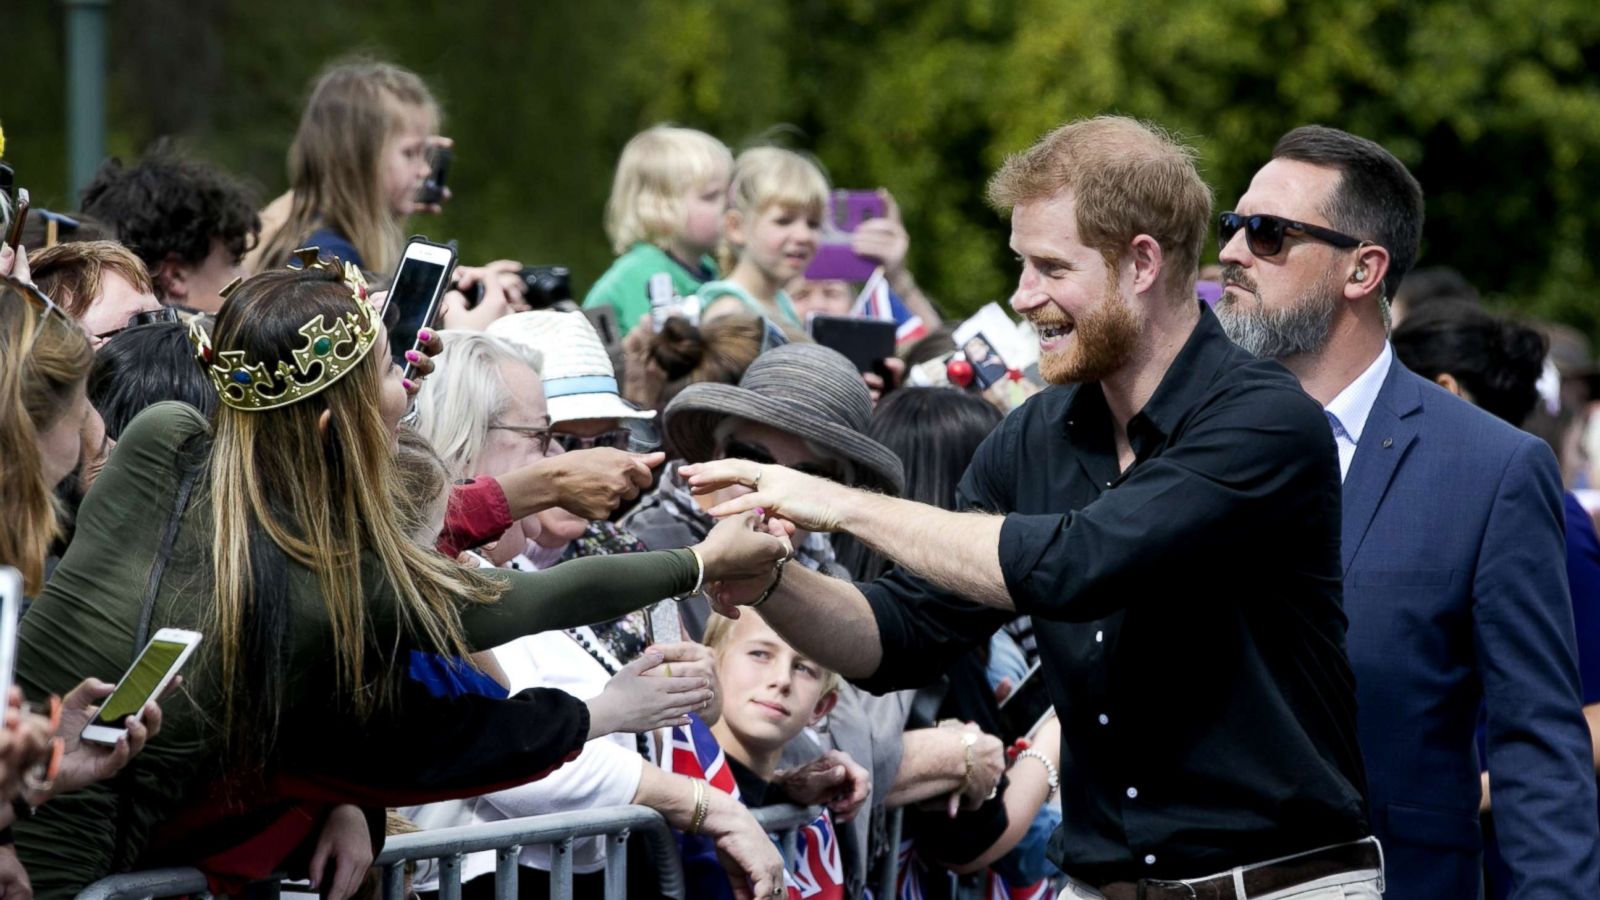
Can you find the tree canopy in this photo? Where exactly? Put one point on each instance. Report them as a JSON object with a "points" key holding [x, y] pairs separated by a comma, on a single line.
{"points": [[1494, 105]]}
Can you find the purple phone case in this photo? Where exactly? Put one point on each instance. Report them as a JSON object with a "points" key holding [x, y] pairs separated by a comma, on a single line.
{"points": [[834, 260]]}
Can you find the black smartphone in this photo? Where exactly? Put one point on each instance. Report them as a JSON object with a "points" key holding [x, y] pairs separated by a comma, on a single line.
{"points": [[19, 217], [432, 190], [418, 288], [865, 342], [1024, 709]]}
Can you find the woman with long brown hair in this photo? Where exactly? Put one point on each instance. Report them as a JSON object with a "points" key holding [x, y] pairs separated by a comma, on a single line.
{"points": [[271, 530]]}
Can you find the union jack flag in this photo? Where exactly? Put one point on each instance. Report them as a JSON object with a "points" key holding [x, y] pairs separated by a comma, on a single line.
{"points": [[818, 872], [876, 301]]}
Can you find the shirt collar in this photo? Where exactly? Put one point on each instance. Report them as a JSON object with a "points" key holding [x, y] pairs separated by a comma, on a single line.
{"points": [[1190, 375], [1353, 404]]}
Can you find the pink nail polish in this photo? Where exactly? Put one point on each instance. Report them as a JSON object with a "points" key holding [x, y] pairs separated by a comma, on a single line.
{"points": [[408, 384], [425, 335], [413, 356]]}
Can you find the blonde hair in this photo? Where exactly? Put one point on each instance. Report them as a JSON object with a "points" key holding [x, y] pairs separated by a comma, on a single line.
{"points": [[658, 166], [457, 404], [43, 360], [764, 177], [1127, 178], [280, 484], [336, 161], [719, 628], [70, 273]]}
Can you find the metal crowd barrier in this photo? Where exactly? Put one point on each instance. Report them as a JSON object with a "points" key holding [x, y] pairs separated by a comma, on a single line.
{"points": [[506, 838]]}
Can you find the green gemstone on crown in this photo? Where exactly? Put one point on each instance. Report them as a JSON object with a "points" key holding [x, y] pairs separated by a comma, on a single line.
{"points": [[322, 346]]}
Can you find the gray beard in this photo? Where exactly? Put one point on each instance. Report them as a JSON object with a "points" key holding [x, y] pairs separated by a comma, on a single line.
{"points": [[1301, 329]]}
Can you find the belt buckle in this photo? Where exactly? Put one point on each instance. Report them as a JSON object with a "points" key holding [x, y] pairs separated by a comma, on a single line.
{"points": [[1188, 889]]}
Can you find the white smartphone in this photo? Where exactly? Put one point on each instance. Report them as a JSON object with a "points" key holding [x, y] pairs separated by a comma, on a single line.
{"points": [[10, 615], [145, 680], [418, 288]]}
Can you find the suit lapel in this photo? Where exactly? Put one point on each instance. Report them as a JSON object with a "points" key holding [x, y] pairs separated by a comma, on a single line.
{"points": [[1391, 428]]}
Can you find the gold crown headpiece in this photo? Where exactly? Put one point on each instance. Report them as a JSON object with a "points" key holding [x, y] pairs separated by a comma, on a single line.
{"points": [[330, 351]]}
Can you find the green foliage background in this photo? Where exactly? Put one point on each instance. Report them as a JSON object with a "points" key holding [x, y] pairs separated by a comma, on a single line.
{"points": [[1495, 105]]}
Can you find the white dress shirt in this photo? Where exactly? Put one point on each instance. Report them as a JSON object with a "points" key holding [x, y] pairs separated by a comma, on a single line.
{"points": [[1347, 413]]}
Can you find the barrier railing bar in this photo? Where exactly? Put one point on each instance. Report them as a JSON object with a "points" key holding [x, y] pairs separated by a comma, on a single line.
{"points": [[891, 869], [561, 870], [505, 873], [617, 865]]}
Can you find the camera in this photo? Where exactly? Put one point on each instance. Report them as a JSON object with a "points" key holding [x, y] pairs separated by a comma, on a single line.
{"points": [[543, 287], [546, 285]]}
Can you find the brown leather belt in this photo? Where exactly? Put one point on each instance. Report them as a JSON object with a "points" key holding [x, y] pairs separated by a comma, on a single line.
{"points": [[1259, 880]]}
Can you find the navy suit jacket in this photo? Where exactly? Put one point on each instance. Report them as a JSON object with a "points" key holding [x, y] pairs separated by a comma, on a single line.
{"points": [[1456, 589]]}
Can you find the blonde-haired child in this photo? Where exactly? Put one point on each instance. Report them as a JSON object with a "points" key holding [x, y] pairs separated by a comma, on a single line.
{"points": [[359, 156], [665, 215], [770, 693], [777, 201]]}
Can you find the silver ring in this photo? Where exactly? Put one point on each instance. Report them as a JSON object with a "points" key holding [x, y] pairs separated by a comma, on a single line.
{"points": [[757, 481]]}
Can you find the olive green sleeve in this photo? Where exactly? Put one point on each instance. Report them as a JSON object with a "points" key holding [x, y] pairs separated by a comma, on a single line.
{"points": [[583, 591]]}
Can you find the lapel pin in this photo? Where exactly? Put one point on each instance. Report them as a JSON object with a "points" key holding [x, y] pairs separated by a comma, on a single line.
{"points": [[1387, 443]]}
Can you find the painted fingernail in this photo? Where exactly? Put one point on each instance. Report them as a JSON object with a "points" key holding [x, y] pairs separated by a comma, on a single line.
{"points": [[761, 511], [424, 335], [413, 356], [408, 384]]}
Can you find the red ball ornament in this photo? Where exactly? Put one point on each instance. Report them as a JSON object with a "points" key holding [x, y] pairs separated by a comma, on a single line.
{"points": [[959, 371]]}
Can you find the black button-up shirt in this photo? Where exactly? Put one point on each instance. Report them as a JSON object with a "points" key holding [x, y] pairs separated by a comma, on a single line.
{"points": [[1187, 611]]}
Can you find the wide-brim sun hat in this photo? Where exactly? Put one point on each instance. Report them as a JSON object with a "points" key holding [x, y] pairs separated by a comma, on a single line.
{"points": [[806, 390], [579, 382]]}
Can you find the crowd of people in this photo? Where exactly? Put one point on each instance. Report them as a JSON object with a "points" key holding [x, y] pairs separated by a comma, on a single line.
{"points": [[1270, 576]]}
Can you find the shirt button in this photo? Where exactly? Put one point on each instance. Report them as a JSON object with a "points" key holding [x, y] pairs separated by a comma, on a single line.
{"points": [[1132, 793], [1104, 719], [1149, 859], [1099, 636]]}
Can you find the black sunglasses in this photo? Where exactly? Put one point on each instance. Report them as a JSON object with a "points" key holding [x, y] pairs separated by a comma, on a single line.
{"points": [[617, 439], [1264, 234], [758, 454], [147, 317]]}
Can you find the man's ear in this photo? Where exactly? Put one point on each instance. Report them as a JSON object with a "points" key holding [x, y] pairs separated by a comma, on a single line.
{"points": [[1449, 383], [825, 705], [171, 277], [324, 422], [1145, 254], [1367, 272]]}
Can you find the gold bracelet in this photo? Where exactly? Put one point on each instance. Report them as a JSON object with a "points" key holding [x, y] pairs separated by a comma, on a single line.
{"points": [[702, 804]]}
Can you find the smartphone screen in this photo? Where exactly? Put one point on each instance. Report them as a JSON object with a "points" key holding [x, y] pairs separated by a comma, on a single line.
{"points": [[10, 613], [862, 341], [141, 682], [418, 287], [1024, 708]]}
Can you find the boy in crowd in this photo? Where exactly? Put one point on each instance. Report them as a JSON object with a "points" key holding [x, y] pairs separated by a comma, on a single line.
{"points": [[771, 694], [190, 224]]}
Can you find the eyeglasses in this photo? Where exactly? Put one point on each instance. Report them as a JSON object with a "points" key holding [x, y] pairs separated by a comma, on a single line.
{"points": [[147, 317], [540, 433], [45, 304], [758, 454], [1264, 234], [618, 439]]}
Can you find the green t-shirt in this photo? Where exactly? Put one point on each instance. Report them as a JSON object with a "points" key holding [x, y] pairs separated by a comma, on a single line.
{"points": [[625, 286], [712, 291]]}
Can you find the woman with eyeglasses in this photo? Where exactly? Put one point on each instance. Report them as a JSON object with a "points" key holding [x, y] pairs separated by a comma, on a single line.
{"points": [[490, 416], [272, 530]]}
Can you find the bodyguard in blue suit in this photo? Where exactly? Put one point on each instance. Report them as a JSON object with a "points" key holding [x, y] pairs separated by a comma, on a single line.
{"points": [[1454, 560]]}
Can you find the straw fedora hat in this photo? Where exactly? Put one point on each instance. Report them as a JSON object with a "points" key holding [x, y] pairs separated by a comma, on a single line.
{"points": [[806, 390], [579, 382]]}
